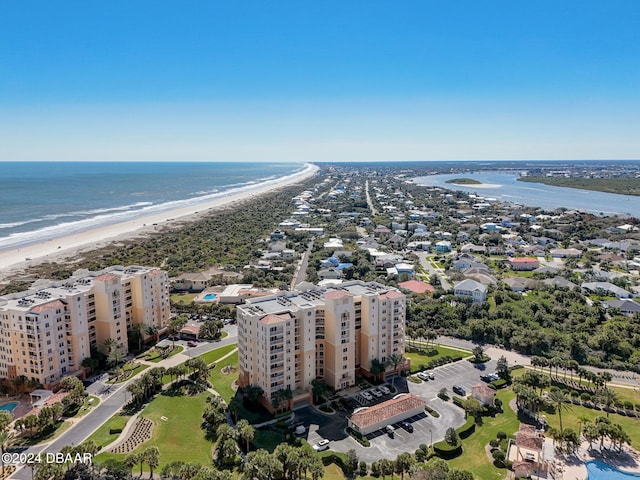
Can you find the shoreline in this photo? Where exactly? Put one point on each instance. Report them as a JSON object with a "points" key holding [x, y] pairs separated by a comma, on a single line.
{"points": [[14, 260]]}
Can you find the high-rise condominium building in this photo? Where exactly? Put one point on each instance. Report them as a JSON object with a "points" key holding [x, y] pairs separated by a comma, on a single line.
{"points": [[330, 334], [47, 331]]}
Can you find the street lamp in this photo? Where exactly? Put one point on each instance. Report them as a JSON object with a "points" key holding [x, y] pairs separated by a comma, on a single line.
{"points": [[430, 440]]}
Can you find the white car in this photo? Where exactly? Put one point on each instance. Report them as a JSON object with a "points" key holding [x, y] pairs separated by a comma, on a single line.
{"points": [[431, 376], [384, 389], [321, 445], [377, 392], [367, 396], [422, 376]]}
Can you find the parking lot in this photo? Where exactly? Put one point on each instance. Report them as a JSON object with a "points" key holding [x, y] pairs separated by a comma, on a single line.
{"points": [[427, 429]]}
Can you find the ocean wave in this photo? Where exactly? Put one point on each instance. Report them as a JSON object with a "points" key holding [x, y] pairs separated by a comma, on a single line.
{"points": [[110, 216]]}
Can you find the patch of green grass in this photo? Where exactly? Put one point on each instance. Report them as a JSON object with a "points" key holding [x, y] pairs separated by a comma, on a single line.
{"points": [[572, 414], [177, 349], [333, 472], [216, 354], [419, 360], [90, 402], [473, 457], [184, 298], [102, 436], [45, 436], [180, 437], [223, 382], [130, 371]]}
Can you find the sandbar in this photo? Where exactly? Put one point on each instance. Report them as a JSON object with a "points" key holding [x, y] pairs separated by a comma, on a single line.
{"points": [[16, 259]]}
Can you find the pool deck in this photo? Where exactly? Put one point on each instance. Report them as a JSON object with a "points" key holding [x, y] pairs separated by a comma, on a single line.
{"points": [[209, 291], [573, 467], [23, 407]]}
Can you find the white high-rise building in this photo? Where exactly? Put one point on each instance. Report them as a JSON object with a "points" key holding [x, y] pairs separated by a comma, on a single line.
{"points": [[46, 332], [330, 334]]}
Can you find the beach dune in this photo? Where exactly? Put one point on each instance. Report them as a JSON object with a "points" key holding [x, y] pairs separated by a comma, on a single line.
{"points": [[16, 259]]}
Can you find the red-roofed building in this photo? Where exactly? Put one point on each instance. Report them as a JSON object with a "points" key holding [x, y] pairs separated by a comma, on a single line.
{"points": [[370, 419], [483, 394], [523, 263], [416, 286]]}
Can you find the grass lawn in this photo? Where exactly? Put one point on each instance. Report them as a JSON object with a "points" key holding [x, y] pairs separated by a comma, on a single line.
{"points": [[473, 457], [573, 413], [214, 355], [43, 437], [420, 360], [333, 472], [89, 402], [180, 437], [222, 382], [102, 436], [184, 298], [130, 370], [155, 359]]}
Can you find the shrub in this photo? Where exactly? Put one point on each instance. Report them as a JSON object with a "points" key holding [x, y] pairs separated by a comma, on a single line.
{"points": [[458, 401], [501, 435], [447, 451], [467, 429], [431, 411], [113, 431], [497, 384], [362, 439], [495, 443]]}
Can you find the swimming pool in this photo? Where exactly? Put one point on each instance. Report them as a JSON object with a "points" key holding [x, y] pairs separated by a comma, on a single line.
{"points": [[601, 471], [9, 406], [210, 296]]}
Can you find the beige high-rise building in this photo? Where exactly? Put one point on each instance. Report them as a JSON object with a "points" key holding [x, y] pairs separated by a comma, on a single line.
{"points": [[330, 334], [47, 331]]}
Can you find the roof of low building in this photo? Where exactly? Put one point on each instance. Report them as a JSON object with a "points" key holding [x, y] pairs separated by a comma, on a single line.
{"points": [[385, 410], [416, 286]]}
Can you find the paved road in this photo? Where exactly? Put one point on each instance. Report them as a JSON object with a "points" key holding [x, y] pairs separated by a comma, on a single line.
{"points": [[112, 402], [302, 268], [439, 272]]}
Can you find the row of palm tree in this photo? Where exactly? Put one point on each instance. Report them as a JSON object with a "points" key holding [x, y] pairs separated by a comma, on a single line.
{"points": [[147, 385], [595, 380]]}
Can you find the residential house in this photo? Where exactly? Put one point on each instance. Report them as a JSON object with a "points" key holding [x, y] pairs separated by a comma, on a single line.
{"points": [[468, 288]]}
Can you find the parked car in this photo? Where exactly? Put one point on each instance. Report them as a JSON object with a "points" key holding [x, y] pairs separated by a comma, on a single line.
{"points": [[367, 396], [377, 392], [384, 389], [431, 376], [321, 445], [459, 390], [423, 376], [390, 430], [407, 426]]}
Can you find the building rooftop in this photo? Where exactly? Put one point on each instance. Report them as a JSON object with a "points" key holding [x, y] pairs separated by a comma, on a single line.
{"points": [[378, 413]]}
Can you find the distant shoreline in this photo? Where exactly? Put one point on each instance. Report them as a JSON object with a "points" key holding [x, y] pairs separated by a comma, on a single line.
{"points": [[15, 259], [620, 186]]}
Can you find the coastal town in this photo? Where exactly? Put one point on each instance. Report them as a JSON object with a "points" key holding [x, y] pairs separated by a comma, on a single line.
{"points": [[358, 324]]}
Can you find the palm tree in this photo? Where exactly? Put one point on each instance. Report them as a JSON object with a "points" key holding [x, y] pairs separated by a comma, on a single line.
{"points": [[109, 345], [152, 458], [5, 440], [115, 356], [395, 361], [175, 325], [377, 368], [559, 400], [246, 432], [607, 397]]}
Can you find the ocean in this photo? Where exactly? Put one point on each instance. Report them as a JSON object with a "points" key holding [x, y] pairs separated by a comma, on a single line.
{"points": [[46, 200], [505, 187]]}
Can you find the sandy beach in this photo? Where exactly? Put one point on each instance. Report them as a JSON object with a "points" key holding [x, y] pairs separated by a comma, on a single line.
{"points": [[15, 260]]}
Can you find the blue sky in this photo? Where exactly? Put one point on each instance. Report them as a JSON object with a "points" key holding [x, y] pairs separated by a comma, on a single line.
{"points": [[313, 81]]}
